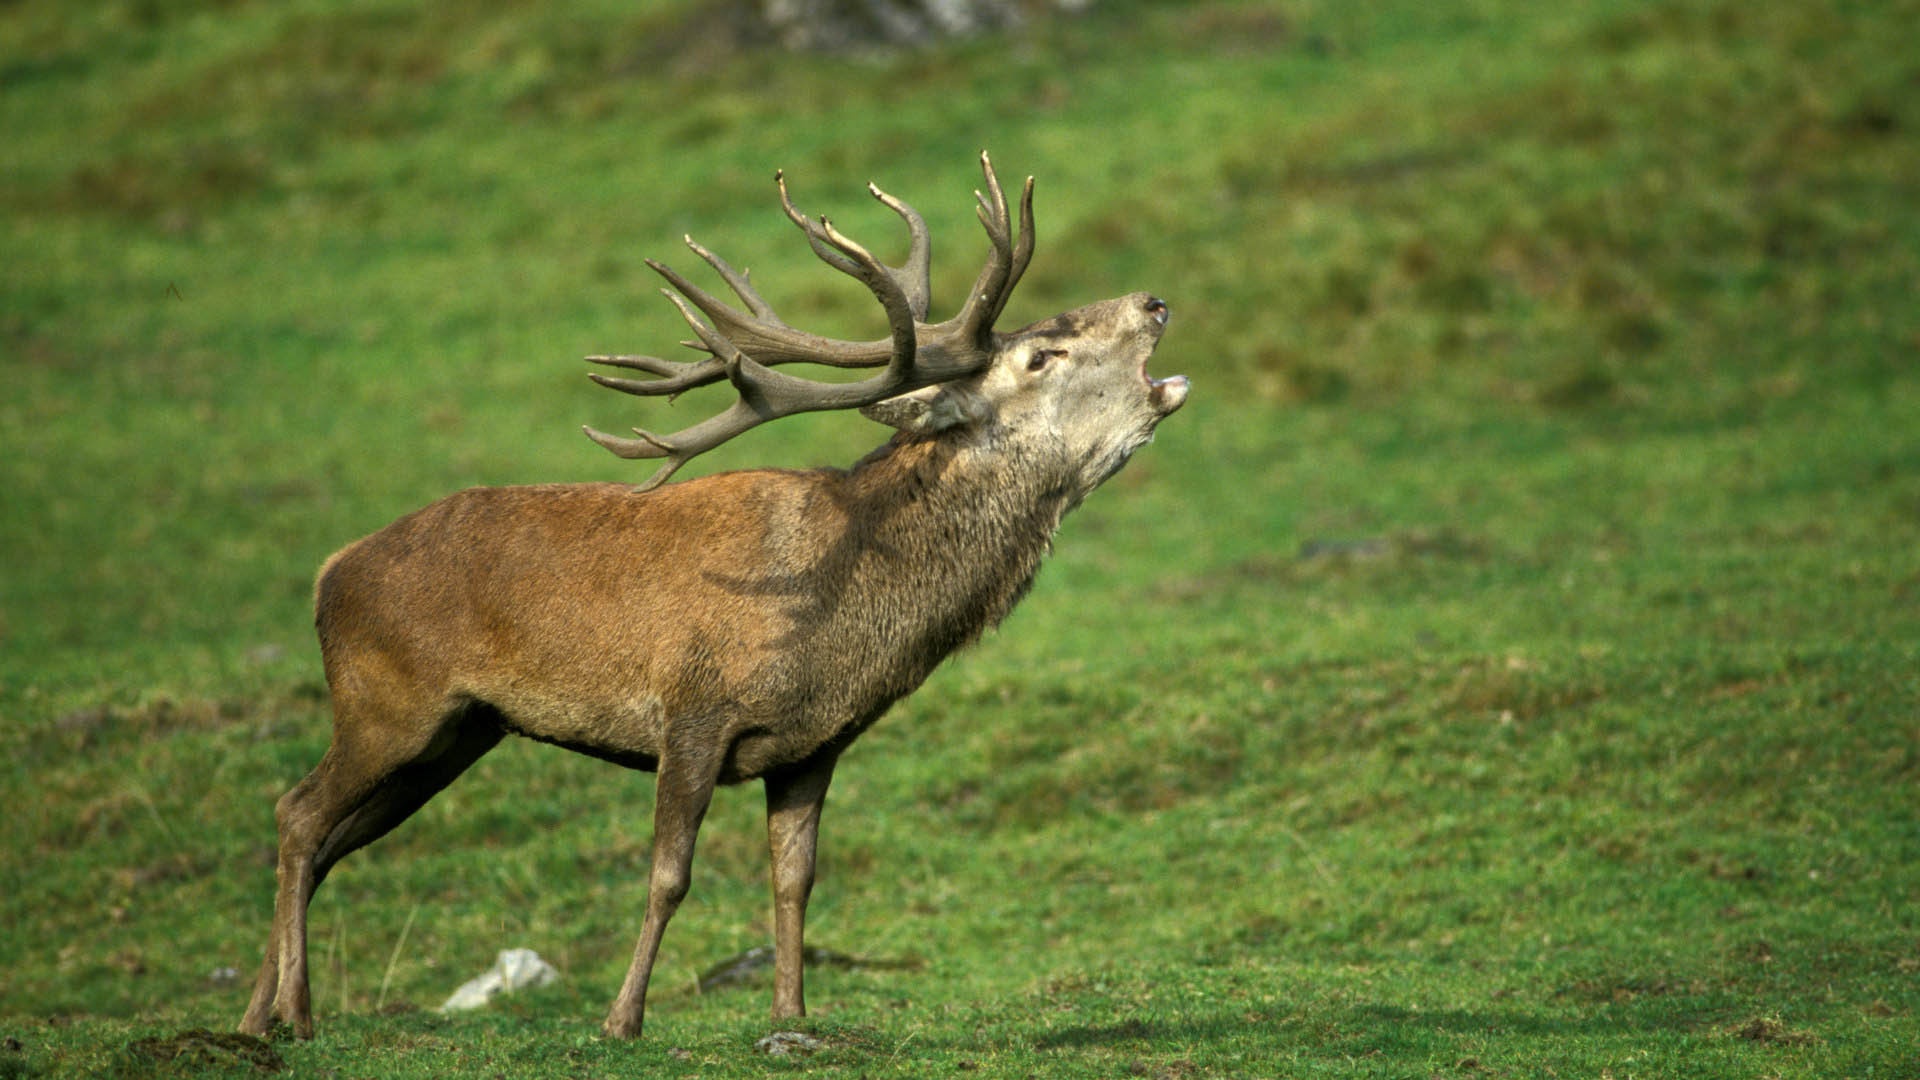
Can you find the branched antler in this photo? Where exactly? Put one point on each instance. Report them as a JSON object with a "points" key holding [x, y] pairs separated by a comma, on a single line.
{"points": [[744, 346]]}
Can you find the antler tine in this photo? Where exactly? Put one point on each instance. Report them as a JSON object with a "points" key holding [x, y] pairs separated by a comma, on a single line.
{"points": [[671, 377], [914, 276], [814, 238], [737, 281], [1022, 251], [1005, 265]]}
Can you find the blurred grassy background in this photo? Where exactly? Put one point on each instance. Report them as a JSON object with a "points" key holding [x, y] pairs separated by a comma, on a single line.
{"points": [[1506, 662]]}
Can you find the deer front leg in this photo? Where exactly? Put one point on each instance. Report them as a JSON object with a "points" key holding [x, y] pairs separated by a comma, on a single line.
{"points": [[794, 801], [684, 789], [280, 991]]}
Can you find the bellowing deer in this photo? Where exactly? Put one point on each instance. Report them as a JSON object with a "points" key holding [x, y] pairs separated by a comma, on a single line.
{"points": [[747, 625]]}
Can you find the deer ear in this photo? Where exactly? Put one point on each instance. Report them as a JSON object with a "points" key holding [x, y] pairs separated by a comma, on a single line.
{"points": [[929, 409]]}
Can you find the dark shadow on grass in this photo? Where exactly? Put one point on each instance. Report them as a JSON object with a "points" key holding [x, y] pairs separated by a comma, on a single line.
{"points": [[1126, 1031], [1367, 1028]]}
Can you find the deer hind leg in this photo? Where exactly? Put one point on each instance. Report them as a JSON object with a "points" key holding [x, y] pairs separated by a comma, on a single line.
{"points": [[681, 795], [794, 802], [360, 790]]}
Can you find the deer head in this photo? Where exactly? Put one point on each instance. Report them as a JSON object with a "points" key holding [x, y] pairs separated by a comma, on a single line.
{"points": [[1073, 385]]}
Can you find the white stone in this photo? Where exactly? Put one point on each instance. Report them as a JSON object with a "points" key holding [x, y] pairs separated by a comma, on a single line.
{"points": [[514, 969]]}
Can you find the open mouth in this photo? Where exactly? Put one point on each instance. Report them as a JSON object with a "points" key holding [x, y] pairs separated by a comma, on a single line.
{"points": [[1165, 394], [1169, 393]]}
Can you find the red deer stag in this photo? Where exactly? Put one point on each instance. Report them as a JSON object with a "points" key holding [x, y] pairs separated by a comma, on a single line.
{"points": [[747, 625]]}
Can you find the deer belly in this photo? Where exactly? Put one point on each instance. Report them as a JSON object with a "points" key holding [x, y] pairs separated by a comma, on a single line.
{"points": [[628, 732]]}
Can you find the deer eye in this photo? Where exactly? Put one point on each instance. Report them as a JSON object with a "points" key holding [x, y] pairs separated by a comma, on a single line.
{"points": [[1040, 358]]}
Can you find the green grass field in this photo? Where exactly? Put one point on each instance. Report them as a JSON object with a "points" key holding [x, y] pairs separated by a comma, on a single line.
{"points": [[1507, 665]]}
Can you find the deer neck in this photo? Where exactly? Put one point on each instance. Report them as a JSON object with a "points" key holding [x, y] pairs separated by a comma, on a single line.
{"points": [[966, 517]]}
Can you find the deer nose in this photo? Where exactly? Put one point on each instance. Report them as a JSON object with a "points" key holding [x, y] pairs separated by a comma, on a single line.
{"points": [[1157, 310]]}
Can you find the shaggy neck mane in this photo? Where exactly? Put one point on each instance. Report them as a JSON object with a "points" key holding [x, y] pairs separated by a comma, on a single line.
{"points": [[964, 528]]}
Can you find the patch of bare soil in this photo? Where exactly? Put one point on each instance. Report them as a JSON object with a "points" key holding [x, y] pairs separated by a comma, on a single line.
{"points": [[201, 1049], [1768, 1029]]}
